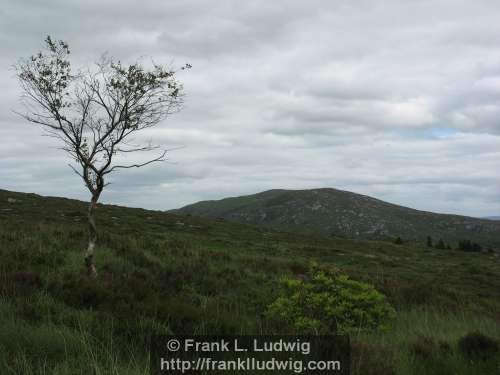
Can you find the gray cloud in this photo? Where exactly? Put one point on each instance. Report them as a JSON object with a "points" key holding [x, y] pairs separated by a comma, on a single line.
{"points": [[395, 99]]}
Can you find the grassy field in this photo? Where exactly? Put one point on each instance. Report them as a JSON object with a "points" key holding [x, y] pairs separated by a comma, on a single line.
{"points": [[163, 273]]}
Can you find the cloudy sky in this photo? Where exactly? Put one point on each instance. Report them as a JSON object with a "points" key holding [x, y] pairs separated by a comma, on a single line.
{"points": [[399, 100]]}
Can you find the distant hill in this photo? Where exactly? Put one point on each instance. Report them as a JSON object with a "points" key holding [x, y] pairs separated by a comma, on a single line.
{"points": [[342, 213], [492, 217]]}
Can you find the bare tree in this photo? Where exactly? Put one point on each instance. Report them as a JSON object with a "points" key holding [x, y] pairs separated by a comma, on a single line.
{"points": [[95, 113]]}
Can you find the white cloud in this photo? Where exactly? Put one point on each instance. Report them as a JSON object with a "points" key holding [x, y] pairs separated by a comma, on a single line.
{"points": [[400, 99]]}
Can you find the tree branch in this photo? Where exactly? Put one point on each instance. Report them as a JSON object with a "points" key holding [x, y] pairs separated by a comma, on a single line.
{"points": [[160, 158]]}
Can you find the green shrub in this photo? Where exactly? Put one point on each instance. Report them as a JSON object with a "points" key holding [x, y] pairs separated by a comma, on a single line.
{"points": [[423, 347], [477, 345], [81, 292], [20, 283], [326, 301]]}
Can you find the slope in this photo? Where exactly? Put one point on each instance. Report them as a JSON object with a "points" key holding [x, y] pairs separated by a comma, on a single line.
{"points": [[342, 213]]}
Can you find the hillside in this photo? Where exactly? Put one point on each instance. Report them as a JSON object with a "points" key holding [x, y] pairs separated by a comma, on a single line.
{"points": [[493, 217], [342, 213], [166, 273]]}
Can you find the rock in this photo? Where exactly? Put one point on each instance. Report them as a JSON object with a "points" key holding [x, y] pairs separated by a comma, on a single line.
{"points": [[13, 200], [316, 206]]}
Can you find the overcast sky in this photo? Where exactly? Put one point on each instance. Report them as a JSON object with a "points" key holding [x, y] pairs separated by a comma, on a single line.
{"points": [[399, 100]]}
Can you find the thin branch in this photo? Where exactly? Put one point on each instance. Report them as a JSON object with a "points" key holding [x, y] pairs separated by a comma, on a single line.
{"points": [[160, 158], [74, 170]]}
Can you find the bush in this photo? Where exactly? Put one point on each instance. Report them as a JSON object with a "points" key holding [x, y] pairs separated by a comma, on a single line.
{"points": [[398, 241], [475, 344], [81, 292], [423, 347], [20, 283], [326, 301], [426, 347]]}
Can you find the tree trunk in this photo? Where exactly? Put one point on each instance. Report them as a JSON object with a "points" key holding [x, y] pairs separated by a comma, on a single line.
{"points": [[89, 253]]}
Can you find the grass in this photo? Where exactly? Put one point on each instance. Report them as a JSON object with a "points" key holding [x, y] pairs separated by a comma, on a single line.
{"points": [[424, 341], [163, 273]]}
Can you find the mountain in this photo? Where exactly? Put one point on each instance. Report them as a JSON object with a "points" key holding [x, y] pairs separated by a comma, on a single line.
{"points": [[492, 217], [342, 213]]}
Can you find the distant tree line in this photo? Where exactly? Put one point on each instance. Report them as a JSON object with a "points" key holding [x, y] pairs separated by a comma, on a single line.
{"points": [[463, 245], [467, 245]]}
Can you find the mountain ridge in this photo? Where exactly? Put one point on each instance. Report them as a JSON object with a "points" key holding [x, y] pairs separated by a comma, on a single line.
{"points": [[329, 211], [491, 217]]}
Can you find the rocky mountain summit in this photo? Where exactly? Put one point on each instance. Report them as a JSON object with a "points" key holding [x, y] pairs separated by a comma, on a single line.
{"points": [[341, 213]]}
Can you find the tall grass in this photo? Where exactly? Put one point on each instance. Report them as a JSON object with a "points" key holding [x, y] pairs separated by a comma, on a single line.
{"points": [[49, 348], [425, 341]]}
